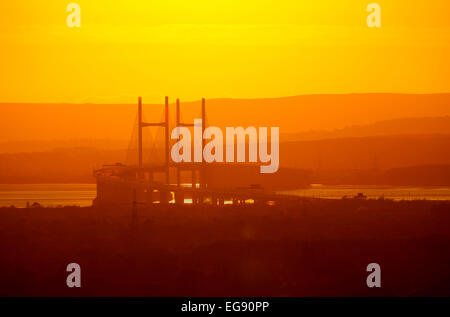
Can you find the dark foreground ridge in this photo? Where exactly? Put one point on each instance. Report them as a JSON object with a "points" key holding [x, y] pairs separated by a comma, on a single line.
{"points": [[308, 248]]}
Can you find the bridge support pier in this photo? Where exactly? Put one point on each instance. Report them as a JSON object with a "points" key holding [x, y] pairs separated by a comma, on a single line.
{"points": [[214, 200], [194, 178], [149, 196], [194, 198], [164, 197], [179, 197], [200, 199]]}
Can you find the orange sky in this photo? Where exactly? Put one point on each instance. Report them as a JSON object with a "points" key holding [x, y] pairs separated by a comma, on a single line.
{"points": [[219, 48]]}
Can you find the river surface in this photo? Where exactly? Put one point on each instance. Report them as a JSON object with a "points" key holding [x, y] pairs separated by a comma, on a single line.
{"points": [[373, 192], [54, 195], [48, 195]]}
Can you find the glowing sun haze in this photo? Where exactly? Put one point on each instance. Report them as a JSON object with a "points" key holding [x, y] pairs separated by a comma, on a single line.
{"points": [[226, 48]]}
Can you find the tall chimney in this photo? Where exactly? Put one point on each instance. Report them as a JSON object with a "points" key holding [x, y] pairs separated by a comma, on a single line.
{"points": [[167, 141], [178, 124], [140, 132], [202, 172]]}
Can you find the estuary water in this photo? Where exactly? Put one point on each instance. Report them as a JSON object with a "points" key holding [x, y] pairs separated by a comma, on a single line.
{"points": [[373, 192], [48, 195], [54, 195]]}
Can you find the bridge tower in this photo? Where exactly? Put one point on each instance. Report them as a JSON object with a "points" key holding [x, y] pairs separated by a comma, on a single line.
{"points": [[194, 168]]}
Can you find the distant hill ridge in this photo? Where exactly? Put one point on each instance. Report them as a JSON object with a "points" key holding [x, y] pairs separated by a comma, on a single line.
{"points": [[395, 127], [296, 114], [402, 126]]}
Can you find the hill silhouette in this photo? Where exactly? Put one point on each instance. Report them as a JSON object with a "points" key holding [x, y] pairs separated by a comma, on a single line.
{"points": [[401, 126], [339, 161], [292, 114], [395, 127], [340, 138]]}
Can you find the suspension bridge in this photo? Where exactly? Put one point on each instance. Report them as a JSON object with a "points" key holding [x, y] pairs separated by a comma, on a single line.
{"points": [[149, 176]]}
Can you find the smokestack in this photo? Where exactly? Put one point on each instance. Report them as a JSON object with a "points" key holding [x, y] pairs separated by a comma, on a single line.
{"points": [[178, 124], [202, 172], [140, 132], [167, 141]]}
